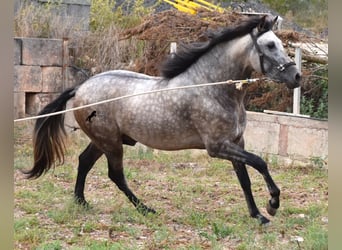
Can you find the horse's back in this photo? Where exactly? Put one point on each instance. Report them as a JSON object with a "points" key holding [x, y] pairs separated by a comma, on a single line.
{"points": [[125, 74], [159, 120], [111, 84]]}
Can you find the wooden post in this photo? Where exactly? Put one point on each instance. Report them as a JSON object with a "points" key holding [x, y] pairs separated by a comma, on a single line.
{"points": [[173, 48], [296, 92], [65, 62]]}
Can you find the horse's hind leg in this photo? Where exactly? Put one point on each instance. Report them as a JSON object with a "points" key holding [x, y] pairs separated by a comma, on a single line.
{"points": [[115, 173], [87, 160]]}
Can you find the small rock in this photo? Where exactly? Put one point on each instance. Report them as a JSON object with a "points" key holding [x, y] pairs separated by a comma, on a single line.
{"points": [[297, 238], [325, 220]]}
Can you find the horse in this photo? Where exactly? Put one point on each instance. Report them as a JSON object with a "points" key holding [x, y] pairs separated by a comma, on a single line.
{"points": [[212, 118]]}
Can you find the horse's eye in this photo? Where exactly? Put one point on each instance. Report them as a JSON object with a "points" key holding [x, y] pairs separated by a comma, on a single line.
{"points": [[271, 45]]}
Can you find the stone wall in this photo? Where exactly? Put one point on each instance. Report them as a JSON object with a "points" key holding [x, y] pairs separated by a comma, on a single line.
{"points": [[287, 140], [41, 66], [73, 13], [41, 73]]}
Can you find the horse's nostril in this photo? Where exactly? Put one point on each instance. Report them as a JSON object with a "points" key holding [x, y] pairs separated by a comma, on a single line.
{"points": [[298, 77]]}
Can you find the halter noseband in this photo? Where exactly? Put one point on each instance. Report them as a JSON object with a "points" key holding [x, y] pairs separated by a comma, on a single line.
{"points": [[280, 67]]}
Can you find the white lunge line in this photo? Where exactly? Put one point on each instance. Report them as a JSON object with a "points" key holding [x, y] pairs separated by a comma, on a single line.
{"points": [[238, 83]]}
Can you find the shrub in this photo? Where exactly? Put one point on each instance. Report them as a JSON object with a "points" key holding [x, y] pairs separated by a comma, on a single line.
{"points": [[314, 99]]}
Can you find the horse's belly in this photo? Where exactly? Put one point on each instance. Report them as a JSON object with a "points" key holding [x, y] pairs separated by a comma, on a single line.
{"points": [[173, 143], [165, 137]]}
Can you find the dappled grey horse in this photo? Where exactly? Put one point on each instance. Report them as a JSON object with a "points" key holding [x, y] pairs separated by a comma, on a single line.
{"points": [[211, 117]]}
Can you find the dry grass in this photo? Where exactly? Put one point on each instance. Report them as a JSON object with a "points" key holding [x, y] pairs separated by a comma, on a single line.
{"points": [[40, 20], [102, 50]]}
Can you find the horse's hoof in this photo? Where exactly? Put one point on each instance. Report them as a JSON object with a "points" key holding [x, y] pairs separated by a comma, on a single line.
{"points": [[82, 202], [144, 210], [270, 210], [263, 220]]}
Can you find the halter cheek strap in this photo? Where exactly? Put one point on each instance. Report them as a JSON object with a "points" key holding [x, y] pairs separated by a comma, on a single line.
{"points": [[280, 67], [257, 47]]}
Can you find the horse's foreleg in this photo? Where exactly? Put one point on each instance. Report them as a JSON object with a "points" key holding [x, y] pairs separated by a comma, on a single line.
{"points": [[87, 160], [240, 157], [242, 174], [260, 165], [115, 173]]}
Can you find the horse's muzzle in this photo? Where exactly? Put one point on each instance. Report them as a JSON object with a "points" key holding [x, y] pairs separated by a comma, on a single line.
{"points": [[292, 77], [297, 80]]}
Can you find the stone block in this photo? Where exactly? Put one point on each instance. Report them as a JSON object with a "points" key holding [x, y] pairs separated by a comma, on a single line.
{"points": [[262, 136], [78, 10], [27, 78], [35, 102], [19, 105], [59, 10], [75, 22], [17, 51], [42, 52], [307, 142], [52, 78]]}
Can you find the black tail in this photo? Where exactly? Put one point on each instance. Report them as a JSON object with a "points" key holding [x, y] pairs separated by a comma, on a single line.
{"points": [[49, 132]]}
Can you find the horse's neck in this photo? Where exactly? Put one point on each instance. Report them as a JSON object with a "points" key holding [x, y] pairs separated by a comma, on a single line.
{"points": [[226, 61]]}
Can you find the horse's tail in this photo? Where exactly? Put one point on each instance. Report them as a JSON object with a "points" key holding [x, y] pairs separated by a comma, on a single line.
{"points": [[48, 135]]}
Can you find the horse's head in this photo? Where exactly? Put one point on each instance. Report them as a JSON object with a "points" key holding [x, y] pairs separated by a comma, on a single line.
{"points": [[269, 56]]}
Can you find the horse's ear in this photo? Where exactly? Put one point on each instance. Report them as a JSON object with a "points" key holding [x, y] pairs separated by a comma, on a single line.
{"points": [[266, 23], [274, 21], [262, 24]]}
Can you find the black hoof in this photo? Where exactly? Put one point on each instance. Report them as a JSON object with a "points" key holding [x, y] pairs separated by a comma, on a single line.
{"points": [[144, 210], [82, 202], [262, 219], [271, 210]]}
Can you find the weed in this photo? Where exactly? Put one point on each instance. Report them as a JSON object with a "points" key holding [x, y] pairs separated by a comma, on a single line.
{"points": [[55, 245], [317, 162], [220, 230], [315, 237]]}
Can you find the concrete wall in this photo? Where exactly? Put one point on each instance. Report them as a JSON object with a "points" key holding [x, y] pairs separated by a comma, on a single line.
{"points": [[41, 72], [287, 140]]}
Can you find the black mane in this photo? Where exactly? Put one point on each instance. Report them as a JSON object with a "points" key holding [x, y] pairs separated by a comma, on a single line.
{"points": [[189, 54]]}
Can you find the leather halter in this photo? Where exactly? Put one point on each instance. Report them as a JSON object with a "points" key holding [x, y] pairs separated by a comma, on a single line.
{"points": [[262, 56]]}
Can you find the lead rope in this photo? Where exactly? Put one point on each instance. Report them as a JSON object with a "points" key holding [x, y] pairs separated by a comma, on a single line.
{"points": [[238, 84]]}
